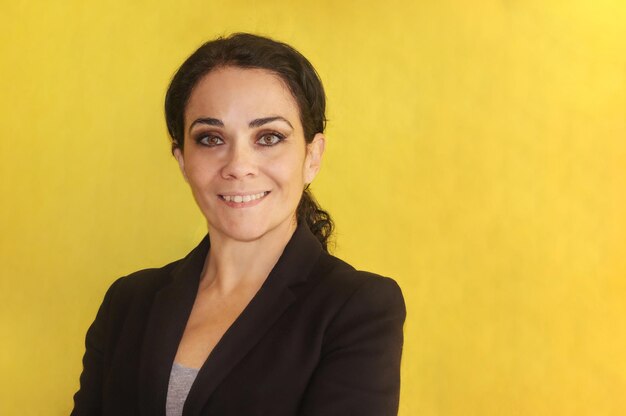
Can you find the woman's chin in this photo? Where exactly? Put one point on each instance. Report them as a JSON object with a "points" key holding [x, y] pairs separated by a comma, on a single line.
{"points": [[247, 231], [240, 231]]}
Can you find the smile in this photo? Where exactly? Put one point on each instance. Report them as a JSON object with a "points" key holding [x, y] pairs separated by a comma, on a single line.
{"points": [[243, 199]]}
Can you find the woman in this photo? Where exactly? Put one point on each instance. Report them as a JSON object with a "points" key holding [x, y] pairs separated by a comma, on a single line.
{"points": [[258, 319]]}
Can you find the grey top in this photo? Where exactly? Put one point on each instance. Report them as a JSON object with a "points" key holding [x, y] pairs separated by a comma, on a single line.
{"points": [[181, 379]]}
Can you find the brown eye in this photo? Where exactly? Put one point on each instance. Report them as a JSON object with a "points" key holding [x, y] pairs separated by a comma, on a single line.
{"points": [[210, 141], [270, 139]]}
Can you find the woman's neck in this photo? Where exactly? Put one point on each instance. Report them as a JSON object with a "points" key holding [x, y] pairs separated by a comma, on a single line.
{"points": [[232, 265]]}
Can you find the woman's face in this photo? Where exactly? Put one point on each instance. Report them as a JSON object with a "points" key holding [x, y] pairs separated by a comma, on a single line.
{"points": [[245, 157]]}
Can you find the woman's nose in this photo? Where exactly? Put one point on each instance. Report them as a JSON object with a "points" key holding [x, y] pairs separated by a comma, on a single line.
{"points": [[240, 162]]}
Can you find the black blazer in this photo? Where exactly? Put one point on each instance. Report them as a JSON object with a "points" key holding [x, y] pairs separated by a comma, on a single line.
{"points": [[318, 338]]}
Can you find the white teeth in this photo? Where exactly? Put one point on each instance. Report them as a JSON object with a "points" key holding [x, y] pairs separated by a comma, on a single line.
{"points": [[243, 198]]}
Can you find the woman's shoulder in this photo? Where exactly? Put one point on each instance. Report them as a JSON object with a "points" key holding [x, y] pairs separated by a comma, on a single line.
{"points": [[345, 283], [141, 282], [341, 274]]}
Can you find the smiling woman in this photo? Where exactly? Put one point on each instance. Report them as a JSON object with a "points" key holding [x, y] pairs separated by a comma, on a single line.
{"points": [[259, 318]]}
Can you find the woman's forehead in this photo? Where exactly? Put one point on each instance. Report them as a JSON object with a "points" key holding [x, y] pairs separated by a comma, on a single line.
{"points": [[241, 93]]}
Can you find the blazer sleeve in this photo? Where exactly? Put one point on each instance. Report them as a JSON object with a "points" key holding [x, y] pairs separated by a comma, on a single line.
{"points": [[359, 371], [88, 398]]}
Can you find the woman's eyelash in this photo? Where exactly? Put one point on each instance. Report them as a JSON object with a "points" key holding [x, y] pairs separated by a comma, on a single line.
{"points": [[205, 139], [278, 138], [213, 140]]}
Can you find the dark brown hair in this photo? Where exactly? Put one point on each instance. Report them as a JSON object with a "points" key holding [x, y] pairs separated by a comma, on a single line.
{"points": [[245, 50]]}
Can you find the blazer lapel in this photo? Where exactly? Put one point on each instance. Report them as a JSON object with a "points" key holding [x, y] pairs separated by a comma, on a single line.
{"points": [[274, 296], [168, 317]]}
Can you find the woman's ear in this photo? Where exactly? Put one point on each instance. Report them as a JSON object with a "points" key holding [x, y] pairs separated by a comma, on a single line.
{"points": [[178, 154], [313, 159]]}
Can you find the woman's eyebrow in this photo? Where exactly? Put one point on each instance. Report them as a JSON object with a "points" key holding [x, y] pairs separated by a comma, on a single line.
{"points": [[261, 121], [257, 122], [207, 120]]}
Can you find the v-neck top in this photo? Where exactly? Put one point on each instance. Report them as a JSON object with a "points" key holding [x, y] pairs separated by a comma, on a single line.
{"points": [[181, 379]]}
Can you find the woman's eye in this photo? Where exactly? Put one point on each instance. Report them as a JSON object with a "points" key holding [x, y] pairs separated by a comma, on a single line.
{"points": [[210, 141], [270, 139]]}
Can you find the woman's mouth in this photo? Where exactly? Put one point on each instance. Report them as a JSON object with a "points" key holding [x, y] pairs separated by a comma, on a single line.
{"points": [[243, 200]]}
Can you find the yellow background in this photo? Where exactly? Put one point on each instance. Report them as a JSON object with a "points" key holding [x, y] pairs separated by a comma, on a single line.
{"points": [[476, 153]]}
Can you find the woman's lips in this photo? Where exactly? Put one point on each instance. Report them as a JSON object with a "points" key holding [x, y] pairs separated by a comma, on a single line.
{"points": [[243, 200]]}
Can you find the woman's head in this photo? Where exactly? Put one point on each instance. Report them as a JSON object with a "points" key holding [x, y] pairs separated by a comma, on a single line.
{"points": [[213, 99]]}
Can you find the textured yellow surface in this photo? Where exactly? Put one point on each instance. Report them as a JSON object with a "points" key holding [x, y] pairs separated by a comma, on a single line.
{"points": [[476, 153]]}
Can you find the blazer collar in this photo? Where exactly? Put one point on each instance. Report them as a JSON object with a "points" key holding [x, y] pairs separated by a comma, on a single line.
{"points": [[172, 306]]}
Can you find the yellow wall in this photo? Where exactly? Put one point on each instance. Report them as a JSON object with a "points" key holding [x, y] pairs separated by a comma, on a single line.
{"points": [[476, 153]]}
